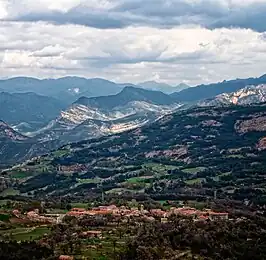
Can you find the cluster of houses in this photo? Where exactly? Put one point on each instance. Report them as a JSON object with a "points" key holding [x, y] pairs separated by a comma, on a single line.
{"points": [[124, 212], [35, 216]]}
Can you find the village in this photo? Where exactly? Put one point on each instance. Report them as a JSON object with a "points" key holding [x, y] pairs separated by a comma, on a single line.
{"points": [[150, 215], [124, 213], [102, 230]]}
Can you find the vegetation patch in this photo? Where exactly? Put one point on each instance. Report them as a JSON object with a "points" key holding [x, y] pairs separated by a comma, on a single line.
{"points": [[194, 170]]}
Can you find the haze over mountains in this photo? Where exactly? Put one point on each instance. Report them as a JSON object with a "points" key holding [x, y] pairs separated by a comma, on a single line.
{"points": [[153, 85]]}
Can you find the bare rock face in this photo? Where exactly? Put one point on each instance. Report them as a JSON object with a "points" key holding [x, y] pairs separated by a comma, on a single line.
{"points": [[262, 144], [174, 153], [246, 96], [257, 124], [213, 123]]}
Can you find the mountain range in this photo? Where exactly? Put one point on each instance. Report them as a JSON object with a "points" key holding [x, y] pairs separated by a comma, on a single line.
{"points": [[48, 123], [69, 89], [202, 92], [188, 154], [95, 117]]}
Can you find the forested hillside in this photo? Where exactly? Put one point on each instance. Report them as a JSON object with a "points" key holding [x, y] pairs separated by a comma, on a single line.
{"points": [[189, 154]]}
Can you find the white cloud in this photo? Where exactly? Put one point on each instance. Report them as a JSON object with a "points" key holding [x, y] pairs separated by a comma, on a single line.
{"points": [[193, 55], [194, 41]]}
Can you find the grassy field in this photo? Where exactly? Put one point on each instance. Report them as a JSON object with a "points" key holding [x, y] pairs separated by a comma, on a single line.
{"points": [[194, 170], [32, 235], [4, 217], [159, 167], [9, 192], [194, 181], [79, 205], [60, 153], [26, 234], [20, 175], [139, 179], [94, 180], [57, 211], [110, 244], [238, 156], [218, 177]]}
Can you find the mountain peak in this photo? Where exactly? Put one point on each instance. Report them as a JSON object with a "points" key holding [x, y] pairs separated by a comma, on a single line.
{"points": [[166, 88], [202, 92], [128, 94]]}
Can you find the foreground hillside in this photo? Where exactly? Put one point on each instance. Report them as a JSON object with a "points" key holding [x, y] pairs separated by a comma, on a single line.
{"points": [[195, 154]]}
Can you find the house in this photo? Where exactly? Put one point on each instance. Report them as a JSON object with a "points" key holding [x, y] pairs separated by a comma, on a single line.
{"points": [[218, 216], [65, 257], [91, 234]]}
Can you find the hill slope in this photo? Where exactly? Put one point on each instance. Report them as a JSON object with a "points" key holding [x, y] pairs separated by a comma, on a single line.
{"points": [[94, 117], [209, 91], [187, 155], [245, 96]]}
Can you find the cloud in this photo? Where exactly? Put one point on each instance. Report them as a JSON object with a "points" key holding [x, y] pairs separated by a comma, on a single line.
{"points": [[107, 14], [133, 54], [195, 41]]}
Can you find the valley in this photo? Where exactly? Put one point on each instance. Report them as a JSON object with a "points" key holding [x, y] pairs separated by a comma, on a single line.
{"points": [[118, 176], [132, 130]]}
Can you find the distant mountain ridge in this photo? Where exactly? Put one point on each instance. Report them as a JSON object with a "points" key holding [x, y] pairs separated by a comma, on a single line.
{"points": [[29, 108], [127, 95], [69, 89], [202, 92], [166, 88]]}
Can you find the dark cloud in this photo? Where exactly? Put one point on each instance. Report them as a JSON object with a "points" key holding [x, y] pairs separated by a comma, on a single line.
{"points": [[91, 19], [251, 17], [173, 8], [159, 13]]}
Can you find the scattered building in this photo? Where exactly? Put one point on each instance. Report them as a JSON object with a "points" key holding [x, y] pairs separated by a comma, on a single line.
{"points": [[91, 234], [65, 257]]}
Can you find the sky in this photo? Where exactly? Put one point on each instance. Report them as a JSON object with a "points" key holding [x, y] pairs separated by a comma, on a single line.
{"points": [[171, 41]]}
